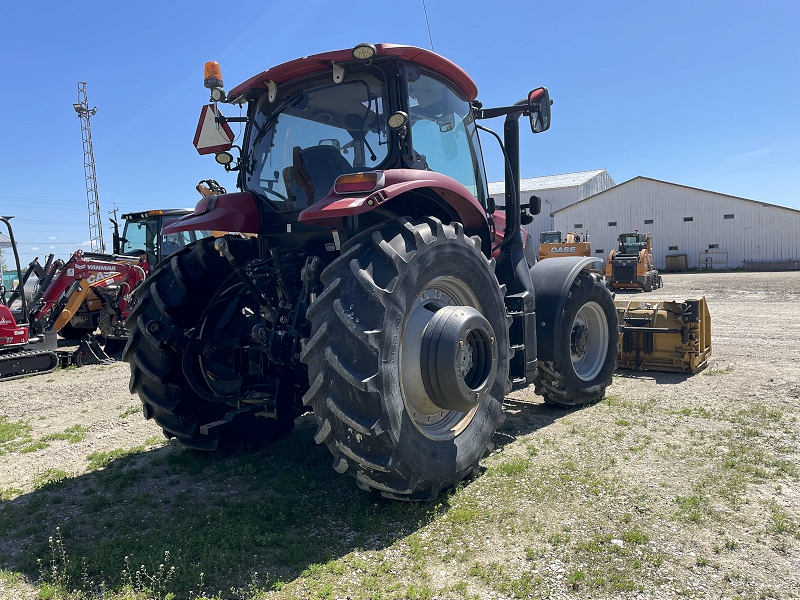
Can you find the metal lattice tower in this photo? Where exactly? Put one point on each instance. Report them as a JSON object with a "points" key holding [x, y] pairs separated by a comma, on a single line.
{"points": [[95, 220]]}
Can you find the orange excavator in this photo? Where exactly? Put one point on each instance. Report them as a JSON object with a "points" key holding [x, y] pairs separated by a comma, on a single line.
{"points": [[552, 245]]}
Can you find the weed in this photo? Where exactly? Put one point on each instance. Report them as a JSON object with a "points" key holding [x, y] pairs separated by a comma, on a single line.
{"points": [[98, 460], [9, 493], [49, 478], [575, 579], [130, 411], [510, 468], [780, 521], [635, 536], [463, 514], [712, 370], [10, 432], [692, 507], [74, 434]]}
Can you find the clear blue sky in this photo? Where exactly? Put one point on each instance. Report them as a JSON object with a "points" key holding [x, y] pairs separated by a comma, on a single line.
{"points": [[705, 94]]}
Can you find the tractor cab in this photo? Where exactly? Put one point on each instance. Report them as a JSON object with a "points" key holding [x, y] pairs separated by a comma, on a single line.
{"points": [[633, 243], [142, 234], [550, 237]]}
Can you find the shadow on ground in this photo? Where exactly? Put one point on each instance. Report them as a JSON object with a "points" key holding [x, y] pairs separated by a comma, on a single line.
{"points": [[276, 511]]}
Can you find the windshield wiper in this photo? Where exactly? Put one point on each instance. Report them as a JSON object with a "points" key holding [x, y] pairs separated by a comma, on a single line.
{"points": [[290, 101]]}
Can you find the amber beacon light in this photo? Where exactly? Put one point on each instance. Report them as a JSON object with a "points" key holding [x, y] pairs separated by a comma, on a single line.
{"points": [[212, 75]]}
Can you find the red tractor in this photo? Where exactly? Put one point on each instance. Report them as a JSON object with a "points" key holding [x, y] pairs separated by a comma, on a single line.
{"points": [[379, 286]]}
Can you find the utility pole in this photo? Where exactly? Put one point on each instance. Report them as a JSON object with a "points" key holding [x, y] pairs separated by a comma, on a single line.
{"points": [[95, 220]]}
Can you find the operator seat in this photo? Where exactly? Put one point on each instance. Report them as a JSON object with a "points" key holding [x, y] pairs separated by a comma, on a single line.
{"points": [[314, 170]]}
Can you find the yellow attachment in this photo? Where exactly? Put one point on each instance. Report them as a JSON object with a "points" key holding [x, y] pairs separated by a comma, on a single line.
{"points": [[76, 298], [664, 336]]}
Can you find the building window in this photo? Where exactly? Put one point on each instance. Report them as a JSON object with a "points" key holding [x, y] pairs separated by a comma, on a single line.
{"points": [[673, 247], [727, 216], [648, 221], [599, 251], [688, 218], [578, 225], [612, 223], [712, 246]]}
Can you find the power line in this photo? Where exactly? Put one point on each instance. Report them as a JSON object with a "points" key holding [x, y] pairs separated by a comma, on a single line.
{"points": [[430, 37]]}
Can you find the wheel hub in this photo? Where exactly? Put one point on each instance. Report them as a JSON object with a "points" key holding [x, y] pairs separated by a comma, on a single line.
{"points": [[580, 339], [458, 359]]}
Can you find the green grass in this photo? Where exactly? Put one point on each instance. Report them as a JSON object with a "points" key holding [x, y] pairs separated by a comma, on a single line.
{"points": [[49, 478], [98, 460], [712, 370], [13, 434], [510, 468], [133, 410], [73, 435], [280, 521]]}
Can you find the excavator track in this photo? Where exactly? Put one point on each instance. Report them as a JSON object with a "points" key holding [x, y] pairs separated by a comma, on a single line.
{"points": [[27, 362]]}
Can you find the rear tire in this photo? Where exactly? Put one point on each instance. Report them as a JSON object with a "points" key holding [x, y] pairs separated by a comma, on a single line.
{"points": [[588, 340], [176, 294], [367, 346]]}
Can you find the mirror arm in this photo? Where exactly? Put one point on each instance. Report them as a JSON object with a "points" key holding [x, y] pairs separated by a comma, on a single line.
{"points": [[223, 119], [512, 201], [490, 113]]}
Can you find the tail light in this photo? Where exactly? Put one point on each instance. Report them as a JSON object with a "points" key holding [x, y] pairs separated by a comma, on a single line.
{"points": [[358, 183]]}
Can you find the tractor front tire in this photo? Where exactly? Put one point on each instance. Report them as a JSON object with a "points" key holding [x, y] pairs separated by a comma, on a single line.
{"points": [[176, 295], [394, 289], [588, 346]]}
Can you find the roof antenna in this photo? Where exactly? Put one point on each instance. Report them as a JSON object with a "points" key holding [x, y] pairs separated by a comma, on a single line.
{"points": [[430, 37]]}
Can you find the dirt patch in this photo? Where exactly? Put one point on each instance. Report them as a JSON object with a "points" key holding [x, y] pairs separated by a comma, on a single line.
{"points": [[671, 486]]}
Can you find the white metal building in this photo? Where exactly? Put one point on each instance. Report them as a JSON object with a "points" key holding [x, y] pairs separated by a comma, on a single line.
{"points": [[713, 230], [556, 192]]}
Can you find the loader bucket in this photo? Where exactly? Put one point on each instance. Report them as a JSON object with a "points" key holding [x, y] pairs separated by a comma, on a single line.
{"points": [[664, 336]]}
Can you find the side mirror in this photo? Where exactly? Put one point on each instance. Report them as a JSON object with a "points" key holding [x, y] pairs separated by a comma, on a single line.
{"points": [[535, 206], [539, 109], [491, 206]]}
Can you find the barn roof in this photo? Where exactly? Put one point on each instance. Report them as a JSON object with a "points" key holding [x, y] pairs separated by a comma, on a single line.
{"points": [[688, 187], [548, 182]]}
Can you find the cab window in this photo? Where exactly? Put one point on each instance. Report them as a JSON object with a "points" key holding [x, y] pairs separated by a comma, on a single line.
{"points": [[443, 132]]}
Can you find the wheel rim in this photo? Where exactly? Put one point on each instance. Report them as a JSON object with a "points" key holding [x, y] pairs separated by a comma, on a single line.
{"points": [[231, 326], [430, 420], [589, 341]]}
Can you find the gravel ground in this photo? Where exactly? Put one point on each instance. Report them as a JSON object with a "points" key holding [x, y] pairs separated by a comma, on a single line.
{"points": [[756, 345]]}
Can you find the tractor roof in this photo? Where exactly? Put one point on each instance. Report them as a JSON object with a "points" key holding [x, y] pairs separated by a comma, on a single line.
{"points": [[321, 62]]}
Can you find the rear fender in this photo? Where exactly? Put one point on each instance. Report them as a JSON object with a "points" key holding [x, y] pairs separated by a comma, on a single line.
{"points": [[552, 279], [397, 182], [236, 212]]}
